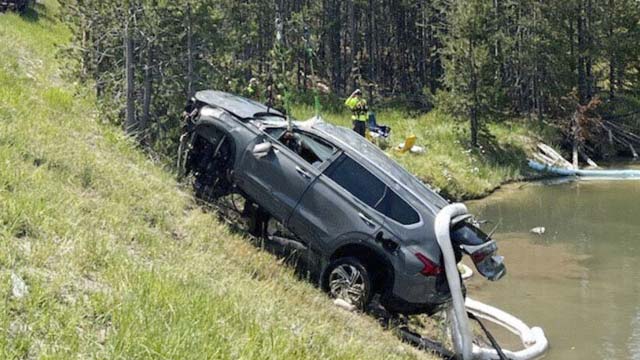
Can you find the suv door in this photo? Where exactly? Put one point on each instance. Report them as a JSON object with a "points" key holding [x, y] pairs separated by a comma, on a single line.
{"points": [[339, 203], [276, 180]]}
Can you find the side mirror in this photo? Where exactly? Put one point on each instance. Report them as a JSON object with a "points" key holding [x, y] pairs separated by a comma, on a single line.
{"points": [[262, 149]]}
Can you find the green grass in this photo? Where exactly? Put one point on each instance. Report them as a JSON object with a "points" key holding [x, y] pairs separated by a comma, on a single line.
{"points": [[119, 262], [449, 163]]}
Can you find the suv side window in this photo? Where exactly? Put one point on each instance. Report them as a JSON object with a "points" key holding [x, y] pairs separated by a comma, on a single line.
{"points": [[357, 180], [362, 184], [397, 209], [313, 150]]}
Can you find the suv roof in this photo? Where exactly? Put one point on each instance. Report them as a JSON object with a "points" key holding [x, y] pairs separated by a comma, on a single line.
{"points": [[242, 107]]}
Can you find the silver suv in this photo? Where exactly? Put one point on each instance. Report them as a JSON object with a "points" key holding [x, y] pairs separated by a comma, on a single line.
{"points": [[361, 223]]}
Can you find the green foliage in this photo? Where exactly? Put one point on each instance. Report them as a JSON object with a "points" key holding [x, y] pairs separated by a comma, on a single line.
{"points": [[118, 260], [475, 59]]}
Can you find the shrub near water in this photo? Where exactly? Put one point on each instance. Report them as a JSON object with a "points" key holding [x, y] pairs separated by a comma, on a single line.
{"points": [[119, 263]]}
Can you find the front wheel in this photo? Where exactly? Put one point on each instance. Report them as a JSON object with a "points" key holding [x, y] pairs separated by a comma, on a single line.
{"points": [[348, 279]]}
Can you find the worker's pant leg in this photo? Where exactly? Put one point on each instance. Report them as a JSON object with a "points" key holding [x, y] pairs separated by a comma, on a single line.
{"points": [[359, 127]]}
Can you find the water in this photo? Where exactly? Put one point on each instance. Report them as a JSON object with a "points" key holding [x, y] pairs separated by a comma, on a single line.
{"points": [[580, 281]]}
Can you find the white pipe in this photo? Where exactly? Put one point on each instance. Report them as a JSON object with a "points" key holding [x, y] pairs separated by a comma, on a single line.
{"points": [[460, 322], [533, 339]]}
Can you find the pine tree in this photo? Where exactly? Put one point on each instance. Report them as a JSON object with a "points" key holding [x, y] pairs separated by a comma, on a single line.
{"points": [[466, 58]]}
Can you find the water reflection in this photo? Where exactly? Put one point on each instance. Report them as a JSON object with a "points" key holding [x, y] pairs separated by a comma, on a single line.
{"points": [[579, 280]]}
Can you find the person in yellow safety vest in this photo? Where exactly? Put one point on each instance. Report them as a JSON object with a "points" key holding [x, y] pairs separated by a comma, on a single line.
{"points": [[358, 106], [252, 89]]}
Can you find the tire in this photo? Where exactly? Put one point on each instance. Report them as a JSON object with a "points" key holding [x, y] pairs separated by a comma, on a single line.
{"points": [[348, 279], [212, 178]]}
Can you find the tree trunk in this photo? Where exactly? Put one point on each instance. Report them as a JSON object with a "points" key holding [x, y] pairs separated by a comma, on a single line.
{"points": [[612, 57], [590, 82], [189, 51], [369, 39], [148, 89], [575, 130], [130, 121], [334, 44], [352, 44], [474, 90], [582, 76]]}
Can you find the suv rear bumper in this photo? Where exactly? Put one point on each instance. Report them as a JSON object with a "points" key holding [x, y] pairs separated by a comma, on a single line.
{"points": [[397, 305], [417, 293]]}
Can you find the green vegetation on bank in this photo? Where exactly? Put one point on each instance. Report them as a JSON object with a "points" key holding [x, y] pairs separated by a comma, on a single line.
{"points": [[449, 164], [119, 262]]}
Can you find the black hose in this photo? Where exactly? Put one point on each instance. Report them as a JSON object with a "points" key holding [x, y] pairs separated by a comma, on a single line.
{"points": [[423, 343], [492, 340]]}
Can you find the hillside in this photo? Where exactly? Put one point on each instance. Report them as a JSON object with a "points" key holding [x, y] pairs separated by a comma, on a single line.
{"points": [[118, 261]]}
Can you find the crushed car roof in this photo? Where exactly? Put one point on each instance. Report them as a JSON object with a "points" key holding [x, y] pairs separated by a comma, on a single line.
{"points": [[236, 105]]}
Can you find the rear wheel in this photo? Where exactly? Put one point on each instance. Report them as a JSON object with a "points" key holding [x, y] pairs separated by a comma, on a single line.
{"points": [[348, 279]]}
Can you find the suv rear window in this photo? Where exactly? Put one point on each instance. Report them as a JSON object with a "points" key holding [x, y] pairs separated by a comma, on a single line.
{"points": [[362, 184], [397, 209]]}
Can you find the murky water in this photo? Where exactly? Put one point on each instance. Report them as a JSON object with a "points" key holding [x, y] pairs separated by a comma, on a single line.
{"points": [[580, 281]]}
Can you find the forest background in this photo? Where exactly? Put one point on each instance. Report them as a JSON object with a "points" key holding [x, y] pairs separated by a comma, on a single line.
{"points": [[471, 63]]}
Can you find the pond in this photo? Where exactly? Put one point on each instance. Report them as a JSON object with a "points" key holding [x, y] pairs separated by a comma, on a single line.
{"points": [[580, 280]]}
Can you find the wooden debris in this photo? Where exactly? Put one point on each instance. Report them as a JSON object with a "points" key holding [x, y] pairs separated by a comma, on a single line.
{"points": [[619, 134], [549, 156], [587, 158]]}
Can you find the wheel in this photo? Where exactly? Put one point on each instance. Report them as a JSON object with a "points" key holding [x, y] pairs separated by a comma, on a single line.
{"points": [[348, 279], [212, 167]]}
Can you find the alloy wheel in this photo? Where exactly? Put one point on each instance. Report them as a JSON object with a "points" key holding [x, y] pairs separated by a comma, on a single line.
{"points": [[346, 282]]}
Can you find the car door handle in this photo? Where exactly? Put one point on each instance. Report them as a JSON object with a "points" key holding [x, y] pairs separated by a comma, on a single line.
{"points": [[302, 172], [366, 220]]}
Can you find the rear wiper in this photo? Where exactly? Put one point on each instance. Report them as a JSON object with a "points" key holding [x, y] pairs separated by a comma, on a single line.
{"points": [[266, 113]]}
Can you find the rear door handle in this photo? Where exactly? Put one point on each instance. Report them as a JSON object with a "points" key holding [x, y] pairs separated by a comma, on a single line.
{"points": [[302, 172], [366, 220]]}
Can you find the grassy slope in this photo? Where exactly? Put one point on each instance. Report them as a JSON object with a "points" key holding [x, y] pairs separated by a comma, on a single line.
{"points": [[448, 164], [118, 261]]}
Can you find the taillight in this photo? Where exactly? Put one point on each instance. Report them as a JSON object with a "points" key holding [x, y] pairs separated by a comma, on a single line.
{"points": [[478, 256], [430, 268]]}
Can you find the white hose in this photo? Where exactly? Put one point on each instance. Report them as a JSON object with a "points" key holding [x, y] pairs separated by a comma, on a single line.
{"points": [[534, 341], [460, 322]]}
